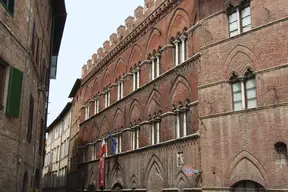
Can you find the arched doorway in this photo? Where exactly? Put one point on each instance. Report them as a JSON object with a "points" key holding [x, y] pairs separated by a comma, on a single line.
{"points": [[247, 186], [117, 187], [25, 182]]}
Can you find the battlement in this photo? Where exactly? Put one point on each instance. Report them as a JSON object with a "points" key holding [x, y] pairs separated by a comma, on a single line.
{"points": [[140, 14]]}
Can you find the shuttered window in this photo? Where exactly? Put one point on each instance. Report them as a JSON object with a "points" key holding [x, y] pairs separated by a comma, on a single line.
{"points": [[14, 92], [30, 119]]}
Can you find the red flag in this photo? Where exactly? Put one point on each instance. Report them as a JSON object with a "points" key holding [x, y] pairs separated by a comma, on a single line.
{"points": [[101, 172], [103, 148]]}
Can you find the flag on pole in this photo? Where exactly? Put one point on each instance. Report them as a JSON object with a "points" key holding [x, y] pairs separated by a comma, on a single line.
{"points": [[114, 143], [101, 173], [103, 148]]}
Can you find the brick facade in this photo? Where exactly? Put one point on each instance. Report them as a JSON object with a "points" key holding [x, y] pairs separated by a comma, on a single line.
{"points": [[229, 147], [22, 136]]}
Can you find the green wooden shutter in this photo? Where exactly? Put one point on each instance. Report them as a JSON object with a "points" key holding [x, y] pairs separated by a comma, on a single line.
{"points": [[14, 92]]}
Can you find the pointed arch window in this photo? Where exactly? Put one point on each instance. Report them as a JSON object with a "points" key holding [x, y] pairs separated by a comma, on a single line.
{"points": [[182, 122], [244, 91], [180, 51]]}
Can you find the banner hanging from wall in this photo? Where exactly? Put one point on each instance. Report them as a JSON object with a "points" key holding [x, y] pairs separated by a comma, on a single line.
{"points": [[101, 172]]}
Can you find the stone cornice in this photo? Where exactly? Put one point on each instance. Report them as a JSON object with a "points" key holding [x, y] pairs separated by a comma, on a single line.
{"points": [[157, 15]]}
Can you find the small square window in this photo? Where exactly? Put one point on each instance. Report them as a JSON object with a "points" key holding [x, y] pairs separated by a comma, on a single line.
{"points": [[180, 159]]}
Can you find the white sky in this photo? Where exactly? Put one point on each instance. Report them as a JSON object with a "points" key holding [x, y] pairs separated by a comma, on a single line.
{"points": [[89, 24]]}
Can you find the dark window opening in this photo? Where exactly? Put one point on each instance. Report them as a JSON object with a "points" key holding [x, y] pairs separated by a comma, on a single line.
{"points": [[9, 5], [247, 186], [281, 149]]}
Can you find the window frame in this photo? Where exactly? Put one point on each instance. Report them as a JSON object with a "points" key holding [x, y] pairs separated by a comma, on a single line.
{"points": [[238, 10], [243, 80]]}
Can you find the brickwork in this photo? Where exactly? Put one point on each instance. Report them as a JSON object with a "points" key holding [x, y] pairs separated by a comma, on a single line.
{"points": [[233, 146], [240, 145], [17, 155]]}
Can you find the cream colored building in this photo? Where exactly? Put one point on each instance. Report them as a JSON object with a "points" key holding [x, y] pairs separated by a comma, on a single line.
{"points": [[57, 147]]}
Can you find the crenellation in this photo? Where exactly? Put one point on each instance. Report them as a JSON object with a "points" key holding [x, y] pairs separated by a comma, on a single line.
{"points": [[113, 39], [138, 13], [106, 46], [89, 65], [121, 32], [100, 53], [94, 59], [84, 70], [129, 24]]}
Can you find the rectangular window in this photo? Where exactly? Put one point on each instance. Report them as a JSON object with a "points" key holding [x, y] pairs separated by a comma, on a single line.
{"points": [[30, 118], [181, 123], [119, 143], [136, 79], [94, 151], [250, 86], [246, 19], [137, 130], [244, 94], [87, 112], [57, 153], [233, 24], [120, 89], [135, 138], [155, 132], [182, 48], [237, 96], [96, 107], [240, 20], [153, 68], [107, 98], [176, 52], [9, 5]]}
